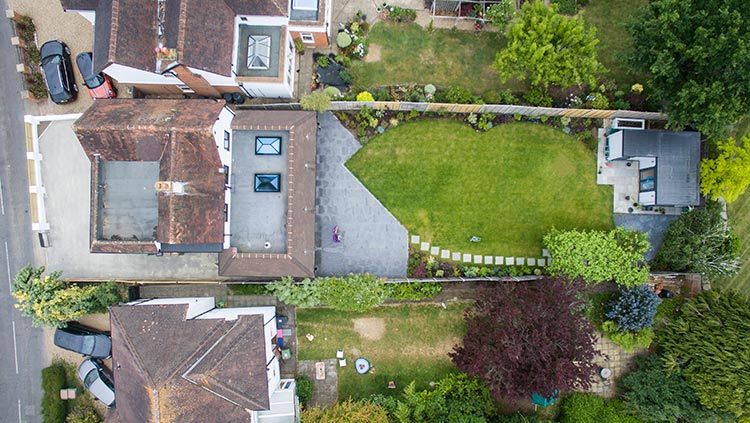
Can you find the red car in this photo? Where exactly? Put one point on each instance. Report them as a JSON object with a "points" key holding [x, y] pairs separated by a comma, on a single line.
{"points": [[99, 85]]}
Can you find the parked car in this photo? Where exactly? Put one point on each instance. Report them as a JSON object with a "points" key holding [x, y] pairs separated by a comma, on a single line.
{"points": [[99, 85], [57, 71], [97, 379], [84, 340]]}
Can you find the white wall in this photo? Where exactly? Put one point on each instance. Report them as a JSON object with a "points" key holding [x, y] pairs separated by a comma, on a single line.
{"points": [[615, 145], [224, 123], [196, 305], [132, 76], [284, 404], [645, 162]]}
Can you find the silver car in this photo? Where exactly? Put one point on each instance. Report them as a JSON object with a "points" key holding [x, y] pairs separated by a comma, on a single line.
{"points": [[98, 381]]}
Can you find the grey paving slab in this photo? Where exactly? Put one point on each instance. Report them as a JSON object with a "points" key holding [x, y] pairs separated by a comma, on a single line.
{"points": [[325, 391], [655, 226], [373, 240]]}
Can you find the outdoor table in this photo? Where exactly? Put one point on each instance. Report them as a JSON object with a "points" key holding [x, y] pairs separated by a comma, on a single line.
{"points": [[362, 365]]}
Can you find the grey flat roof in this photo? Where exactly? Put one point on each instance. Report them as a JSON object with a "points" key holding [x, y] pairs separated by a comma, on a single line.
{"points": [[245, 32], [678, 156], [130, 204], [258, 217]]}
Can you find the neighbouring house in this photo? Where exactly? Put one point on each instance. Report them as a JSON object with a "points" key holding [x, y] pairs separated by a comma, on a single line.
{"points": [[183, 360], [668, 164], [193, 176], [204, 47]]}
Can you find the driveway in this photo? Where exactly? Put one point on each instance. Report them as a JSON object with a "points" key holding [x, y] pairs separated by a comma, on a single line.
{"points": [[372, 240]]}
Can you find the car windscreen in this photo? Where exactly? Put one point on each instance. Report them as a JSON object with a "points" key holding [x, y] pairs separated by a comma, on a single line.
{"points": [[86, 67], [89, 342], [91, 377]]}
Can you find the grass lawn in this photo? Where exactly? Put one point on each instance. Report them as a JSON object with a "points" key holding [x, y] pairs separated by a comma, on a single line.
{"points": [[413, 344], [509, 186], [610, 18], [410, 54]]}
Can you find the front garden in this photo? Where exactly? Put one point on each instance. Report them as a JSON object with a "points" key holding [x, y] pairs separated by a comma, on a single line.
{"points": [[404, 343], [508, 186]]}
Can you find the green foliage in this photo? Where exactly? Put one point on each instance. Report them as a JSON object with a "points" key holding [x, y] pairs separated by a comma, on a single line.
{"points": [[35, 56], [248, 289], [653, 395], [598, 101], [299, 46], [83, 413], [26, 29], [499, 14], [459, 95], [591, 408], [346, 412], [728, 175], [54, 409], [700, 241], [429, 89], [303, 294], [538, 97], [317, 101], [323, 61], [634, 309], [693, 50], [548, 48], [708, 343], [599, 256], [399, 14], [304, 388], [365, 96], [499, 97], [35, 84], [332, 92], [52, 302], [346, 76], [413, 291], [356, 292], [343, 40], [626, 339]]}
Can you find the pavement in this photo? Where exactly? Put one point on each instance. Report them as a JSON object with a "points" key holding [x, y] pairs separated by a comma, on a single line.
{"points": [[372, 240], [617, 360], [325, 391]]}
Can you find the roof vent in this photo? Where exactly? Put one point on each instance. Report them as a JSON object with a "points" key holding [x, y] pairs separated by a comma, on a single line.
{"points": [[267, 245]]}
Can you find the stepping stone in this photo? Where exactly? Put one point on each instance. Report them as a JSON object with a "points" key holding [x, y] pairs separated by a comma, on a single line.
{"points": [[541, 262], [508, 261], [530, 262], [478, 259], [466, 258], [487, 259], [435, 251], [415, 239], [499, 260], [445, 254], [549, 261], [519, 261], [456, 256], [424, 246], [545, 252]]}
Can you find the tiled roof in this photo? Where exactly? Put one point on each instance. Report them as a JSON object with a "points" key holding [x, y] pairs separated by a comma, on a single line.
{"points": [[299, 259], [168, 369], [178, 134]]}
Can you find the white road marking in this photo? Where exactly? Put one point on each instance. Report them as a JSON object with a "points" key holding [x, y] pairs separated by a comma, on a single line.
{"points": [[7, 265], [15, 345], [2, 205], [19, 411]]}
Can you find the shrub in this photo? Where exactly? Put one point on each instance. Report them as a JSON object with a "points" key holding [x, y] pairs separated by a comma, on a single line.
{"points": [[365, 96], [83, 413], [626, 339], [499, 14], [499, 97], [356, 292], [429, 89], [303, 294], [537, 97], [26, 29], [332, 92], [634, 309], [35, 57], [304, 388], [459, 95], [54, 409], [317, 101], [598, 101], [343, 40], [323, 61], [346, 76], [399, 14], [591, 408], [299, 46], [36, 86], [414, 291]]}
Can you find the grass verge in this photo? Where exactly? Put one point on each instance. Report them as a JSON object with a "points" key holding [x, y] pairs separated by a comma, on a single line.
{"points": [[403, 343]]}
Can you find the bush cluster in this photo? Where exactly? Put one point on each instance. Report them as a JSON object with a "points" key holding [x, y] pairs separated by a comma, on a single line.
{"points": [[591, 408], [634, 309]]}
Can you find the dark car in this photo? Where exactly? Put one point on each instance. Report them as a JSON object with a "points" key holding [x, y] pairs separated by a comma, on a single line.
{"points": [[84, 340], [58, 72], [97, 379], [99, 85]]}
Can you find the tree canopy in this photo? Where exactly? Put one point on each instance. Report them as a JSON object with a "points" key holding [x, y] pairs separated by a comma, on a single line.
{"points": [[549, 48], [698, 53], [700, 241], [727, 175], [599, 256], [528, 337], [50, 301], [708, 343]]}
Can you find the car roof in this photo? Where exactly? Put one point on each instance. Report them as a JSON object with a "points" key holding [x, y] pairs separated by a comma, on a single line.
{"points": [[68, 340], [52, 47]]}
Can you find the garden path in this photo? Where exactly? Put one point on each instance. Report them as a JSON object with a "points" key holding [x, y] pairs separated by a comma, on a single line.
{"points": [[615, 359], [372, 240]]}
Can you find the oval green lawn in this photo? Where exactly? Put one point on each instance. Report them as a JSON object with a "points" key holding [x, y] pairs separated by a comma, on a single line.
{"points": [[446, 182]]}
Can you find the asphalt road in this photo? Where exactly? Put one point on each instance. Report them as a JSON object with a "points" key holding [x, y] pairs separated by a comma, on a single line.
{"points": [[21, 345]]}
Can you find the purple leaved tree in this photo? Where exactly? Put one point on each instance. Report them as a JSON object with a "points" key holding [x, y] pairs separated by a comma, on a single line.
{"points": [[528, 337]]}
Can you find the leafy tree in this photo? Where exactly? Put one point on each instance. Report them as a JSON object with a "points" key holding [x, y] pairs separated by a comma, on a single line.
{"points": [[590, 408], [528, 337], [634, 309], [728, 175], [303, 294], [708, 344], [599, 256], [500, 13], [700, 241], [549, 48], [653, 395], [697, 52], [50, 301], [346, 412]]}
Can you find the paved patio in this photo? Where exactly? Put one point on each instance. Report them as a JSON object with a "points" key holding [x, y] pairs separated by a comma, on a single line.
{"points": [[325, 392], [615, 359], [372, 240]]}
